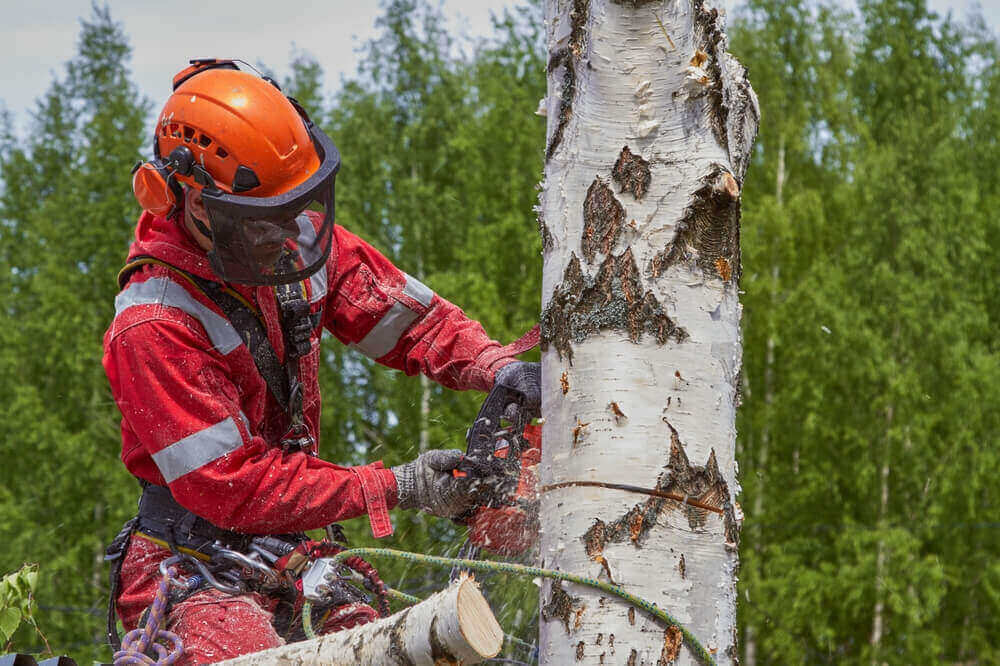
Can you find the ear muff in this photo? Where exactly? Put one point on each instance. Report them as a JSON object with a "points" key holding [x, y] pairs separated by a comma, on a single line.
{"points": [[155, 187]]}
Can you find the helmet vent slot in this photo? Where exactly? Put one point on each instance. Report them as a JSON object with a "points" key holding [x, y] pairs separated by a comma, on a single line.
{"points": [[221, 152], [188, 133], [204, 141]]}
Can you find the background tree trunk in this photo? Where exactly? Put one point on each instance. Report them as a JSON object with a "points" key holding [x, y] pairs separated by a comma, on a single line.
{"points": [[650, 128]]}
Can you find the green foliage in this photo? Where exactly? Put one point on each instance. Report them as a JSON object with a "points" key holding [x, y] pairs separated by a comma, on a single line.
{"points": [[866, 428], [16, 600]]}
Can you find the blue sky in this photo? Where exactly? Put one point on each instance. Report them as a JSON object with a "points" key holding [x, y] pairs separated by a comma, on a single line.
{"points": [[36, 38]]}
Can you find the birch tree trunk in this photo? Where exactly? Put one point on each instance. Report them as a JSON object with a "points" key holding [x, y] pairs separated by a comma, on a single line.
{"points": [[650, 124]]}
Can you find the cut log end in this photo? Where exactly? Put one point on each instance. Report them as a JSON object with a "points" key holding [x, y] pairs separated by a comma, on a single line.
{"points": [[476, 621]]}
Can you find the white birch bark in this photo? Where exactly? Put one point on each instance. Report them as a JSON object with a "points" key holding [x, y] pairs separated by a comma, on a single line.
{"points": [[641, 343], [453, 626]]}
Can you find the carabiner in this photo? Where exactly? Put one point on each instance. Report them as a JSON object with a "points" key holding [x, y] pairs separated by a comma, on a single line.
{"points": [[262, 571]]}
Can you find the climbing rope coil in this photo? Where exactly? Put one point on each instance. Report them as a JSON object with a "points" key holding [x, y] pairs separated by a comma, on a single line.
{"points": [[138, 642]]}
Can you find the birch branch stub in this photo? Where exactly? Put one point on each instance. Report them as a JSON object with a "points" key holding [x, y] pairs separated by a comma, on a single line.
{"points": [[453, 626]]}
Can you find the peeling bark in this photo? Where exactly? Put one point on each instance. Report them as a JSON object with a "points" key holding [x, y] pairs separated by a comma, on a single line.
{"points": [[563, 607], [603, 219], [566, 59], [709, 231], [631, 172], [672, 640], [613, 300], [705, 484]]}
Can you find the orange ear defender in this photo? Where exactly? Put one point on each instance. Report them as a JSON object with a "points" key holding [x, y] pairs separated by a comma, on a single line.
{"points": [[155, 184]]}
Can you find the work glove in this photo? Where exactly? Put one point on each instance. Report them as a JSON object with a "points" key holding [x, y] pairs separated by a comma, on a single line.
{"points": [[428, 484], [524, 378]]}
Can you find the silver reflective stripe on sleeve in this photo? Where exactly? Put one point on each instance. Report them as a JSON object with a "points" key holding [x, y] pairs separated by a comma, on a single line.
{"points": [[310, 254], [163, 291], [418, 291], [390, 328], [197, 450], [381, 339]]}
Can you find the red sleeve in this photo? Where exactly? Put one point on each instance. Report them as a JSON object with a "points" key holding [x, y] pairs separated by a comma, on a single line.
{"points": [[395, 319], [178, 402]]}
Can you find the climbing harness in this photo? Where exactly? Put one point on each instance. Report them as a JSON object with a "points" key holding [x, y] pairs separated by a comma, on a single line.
{"points": [[223, 557], [297, 324]]}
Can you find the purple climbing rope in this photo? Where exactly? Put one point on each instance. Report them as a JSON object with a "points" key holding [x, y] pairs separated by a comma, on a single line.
{"points": [[137, 642]]}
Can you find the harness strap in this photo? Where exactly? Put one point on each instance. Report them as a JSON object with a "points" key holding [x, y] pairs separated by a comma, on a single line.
{"points": [[297, 326], [115, 554], [161, 517], [244, 318]]}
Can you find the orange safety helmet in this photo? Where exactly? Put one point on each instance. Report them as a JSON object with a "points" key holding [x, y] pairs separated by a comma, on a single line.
{"points": [[258, 160]]}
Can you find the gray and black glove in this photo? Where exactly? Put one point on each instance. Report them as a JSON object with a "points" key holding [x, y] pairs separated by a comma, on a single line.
{"points": [[427, 484], [524, 378]]}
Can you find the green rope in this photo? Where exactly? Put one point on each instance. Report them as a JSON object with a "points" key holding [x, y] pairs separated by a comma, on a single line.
{"points": [[519, 570]]}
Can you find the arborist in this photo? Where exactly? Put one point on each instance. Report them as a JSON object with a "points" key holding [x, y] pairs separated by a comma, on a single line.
{"points": [[236, 269]]}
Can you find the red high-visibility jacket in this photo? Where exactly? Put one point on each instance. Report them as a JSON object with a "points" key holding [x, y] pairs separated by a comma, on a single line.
{"points": [[198, 417]]}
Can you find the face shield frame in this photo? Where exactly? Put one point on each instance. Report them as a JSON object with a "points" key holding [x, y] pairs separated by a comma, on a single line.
{"points": [[234, 219]]}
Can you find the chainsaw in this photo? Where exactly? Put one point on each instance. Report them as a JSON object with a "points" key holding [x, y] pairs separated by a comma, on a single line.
{"points": [[503, 446]]}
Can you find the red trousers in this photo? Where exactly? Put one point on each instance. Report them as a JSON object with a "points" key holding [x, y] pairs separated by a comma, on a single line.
{"points": [[212, 625]]}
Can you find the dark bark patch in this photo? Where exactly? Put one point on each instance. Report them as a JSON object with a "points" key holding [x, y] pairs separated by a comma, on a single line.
{"points": [[603, 219], [709, 231], [631, 172], [567, 58], [397, 646], [563, 607], [709, 38], [672, 640], [704, 484], [579, 650], [613, 300], [543, 229], [631, 615], [633, 3], [593, 543], [682, 566], [440, 653], [567, 91], [633, 658]]}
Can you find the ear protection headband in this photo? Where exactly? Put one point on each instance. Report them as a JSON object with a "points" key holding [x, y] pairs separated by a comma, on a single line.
{"points": [[154, 182]]}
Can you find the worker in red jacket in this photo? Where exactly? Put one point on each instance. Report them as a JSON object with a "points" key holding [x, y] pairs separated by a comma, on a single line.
{"points": [[236, 269]]}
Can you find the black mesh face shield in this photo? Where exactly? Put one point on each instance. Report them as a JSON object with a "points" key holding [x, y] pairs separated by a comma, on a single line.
{"points": [[249, 234]]}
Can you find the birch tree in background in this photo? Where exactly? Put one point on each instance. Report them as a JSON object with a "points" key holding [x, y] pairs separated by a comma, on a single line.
{"points": [[650, 124]]}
